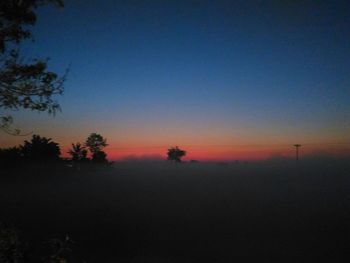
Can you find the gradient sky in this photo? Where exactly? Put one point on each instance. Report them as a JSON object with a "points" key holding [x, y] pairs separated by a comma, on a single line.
{"points": [[222, 79]]}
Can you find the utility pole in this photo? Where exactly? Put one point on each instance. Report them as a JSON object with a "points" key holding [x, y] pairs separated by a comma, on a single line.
{"points": [[297, 151]]}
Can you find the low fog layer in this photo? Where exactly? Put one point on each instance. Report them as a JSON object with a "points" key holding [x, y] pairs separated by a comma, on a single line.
{"points": [[276, 211]]}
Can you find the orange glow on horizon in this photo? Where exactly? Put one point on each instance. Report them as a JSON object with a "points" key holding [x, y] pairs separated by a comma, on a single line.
{"points": [[217, 153]]}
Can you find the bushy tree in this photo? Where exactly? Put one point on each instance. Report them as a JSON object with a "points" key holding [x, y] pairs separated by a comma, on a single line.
{"points": [[78, 152], [40, 149], [175, 154], [95, 143], [24, 84]]}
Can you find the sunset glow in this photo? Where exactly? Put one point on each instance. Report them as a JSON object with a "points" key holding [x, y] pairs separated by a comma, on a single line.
{"points": [[220, 83]]}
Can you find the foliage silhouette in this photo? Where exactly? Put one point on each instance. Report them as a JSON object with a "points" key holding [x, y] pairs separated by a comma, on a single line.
{"points": [[24, 85], [175, 154], [99, 157], [78, 153], [40, 149], [95, 142]]}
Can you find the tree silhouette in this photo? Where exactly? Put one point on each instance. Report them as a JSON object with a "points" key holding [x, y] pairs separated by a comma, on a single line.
{"points": [[78, 152], [24, 85], [175, 154], [95, 142], [40, 149]]}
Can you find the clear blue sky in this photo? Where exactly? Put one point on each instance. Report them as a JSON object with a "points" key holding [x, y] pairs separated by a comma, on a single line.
{"points": [[197, 72]]}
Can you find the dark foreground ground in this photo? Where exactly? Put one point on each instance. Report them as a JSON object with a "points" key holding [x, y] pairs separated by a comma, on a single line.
{"points": [[186, 213]]}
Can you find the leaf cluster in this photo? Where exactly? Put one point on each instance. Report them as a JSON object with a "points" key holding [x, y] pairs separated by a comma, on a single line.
{"points": [[24, 84], [15, 18]]}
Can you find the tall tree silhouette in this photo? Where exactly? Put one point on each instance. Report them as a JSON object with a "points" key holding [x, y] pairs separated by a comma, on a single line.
{"points": [[24, 85], [95, 142], [40, 149], [175, 154]]}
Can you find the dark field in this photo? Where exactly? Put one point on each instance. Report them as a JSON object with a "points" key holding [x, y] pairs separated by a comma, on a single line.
{"points": [[157, 212]]}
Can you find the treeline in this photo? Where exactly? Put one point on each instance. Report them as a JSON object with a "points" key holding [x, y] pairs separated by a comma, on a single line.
{"points": [[45, 150]]}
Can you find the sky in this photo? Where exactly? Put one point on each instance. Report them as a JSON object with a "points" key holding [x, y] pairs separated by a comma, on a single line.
{"points": [[224, 80]]}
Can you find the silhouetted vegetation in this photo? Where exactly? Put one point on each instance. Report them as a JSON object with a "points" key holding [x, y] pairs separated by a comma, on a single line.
{"points": [[78, 153], [43, 150], [37, 150], [40, 149], [24, 85], [175, 154], [95, 143]]}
